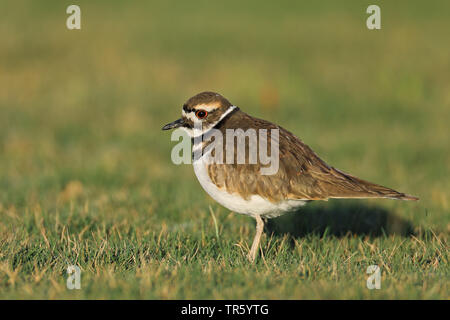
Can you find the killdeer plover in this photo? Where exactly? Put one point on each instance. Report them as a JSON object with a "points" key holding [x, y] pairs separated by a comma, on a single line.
{"points": [[301, 176]]}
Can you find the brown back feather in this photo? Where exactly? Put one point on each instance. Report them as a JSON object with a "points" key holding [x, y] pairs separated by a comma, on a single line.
{"points": [[301, 175]]}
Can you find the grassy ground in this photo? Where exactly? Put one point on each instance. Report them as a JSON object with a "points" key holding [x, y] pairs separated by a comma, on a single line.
{"points": [[86, 176]]}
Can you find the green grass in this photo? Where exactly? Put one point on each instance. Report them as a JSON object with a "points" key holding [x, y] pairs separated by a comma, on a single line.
{"points": [[86, 176]]}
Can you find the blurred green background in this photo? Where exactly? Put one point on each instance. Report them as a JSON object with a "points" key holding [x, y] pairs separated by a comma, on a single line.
{"points": [[85, 170]]}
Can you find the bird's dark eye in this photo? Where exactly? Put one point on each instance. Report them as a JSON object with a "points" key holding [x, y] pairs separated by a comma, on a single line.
{"points": [[201, 114]]}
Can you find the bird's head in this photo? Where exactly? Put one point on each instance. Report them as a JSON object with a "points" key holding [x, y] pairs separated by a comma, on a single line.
{"points": [[201, 113]]}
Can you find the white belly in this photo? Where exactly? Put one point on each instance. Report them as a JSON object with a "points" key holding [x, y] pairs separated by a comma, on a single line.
{"points": [[256, 205]]}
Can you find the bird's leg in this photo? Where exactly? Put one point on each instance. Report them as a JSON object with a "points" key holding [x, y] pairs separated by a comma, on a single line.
{"points": [[266, 225], [255, 245]]}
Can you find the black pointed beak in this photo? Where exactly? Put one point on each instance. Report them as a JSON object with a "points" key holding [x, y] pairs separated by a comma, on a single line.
{"points": [[176, 124]]}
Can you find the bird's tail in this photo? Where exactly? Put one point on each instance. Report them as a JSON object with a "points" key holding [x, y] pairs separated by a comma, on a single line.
{"points": [[347, 186]]}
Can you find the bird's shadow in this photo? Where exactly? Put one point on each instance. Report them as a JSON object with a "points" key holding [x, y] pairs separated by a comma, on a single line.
{"points": [[340, 219]]}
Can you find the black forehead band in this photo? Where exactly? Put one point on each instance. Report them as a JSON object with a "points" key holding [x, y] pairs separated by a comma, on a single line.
{"points": [[186, 109]]}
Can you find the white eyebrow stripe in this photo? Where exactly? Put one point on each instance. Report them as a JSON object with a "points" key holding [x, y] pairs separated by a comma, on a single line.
{"points": [[206, 107]]}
